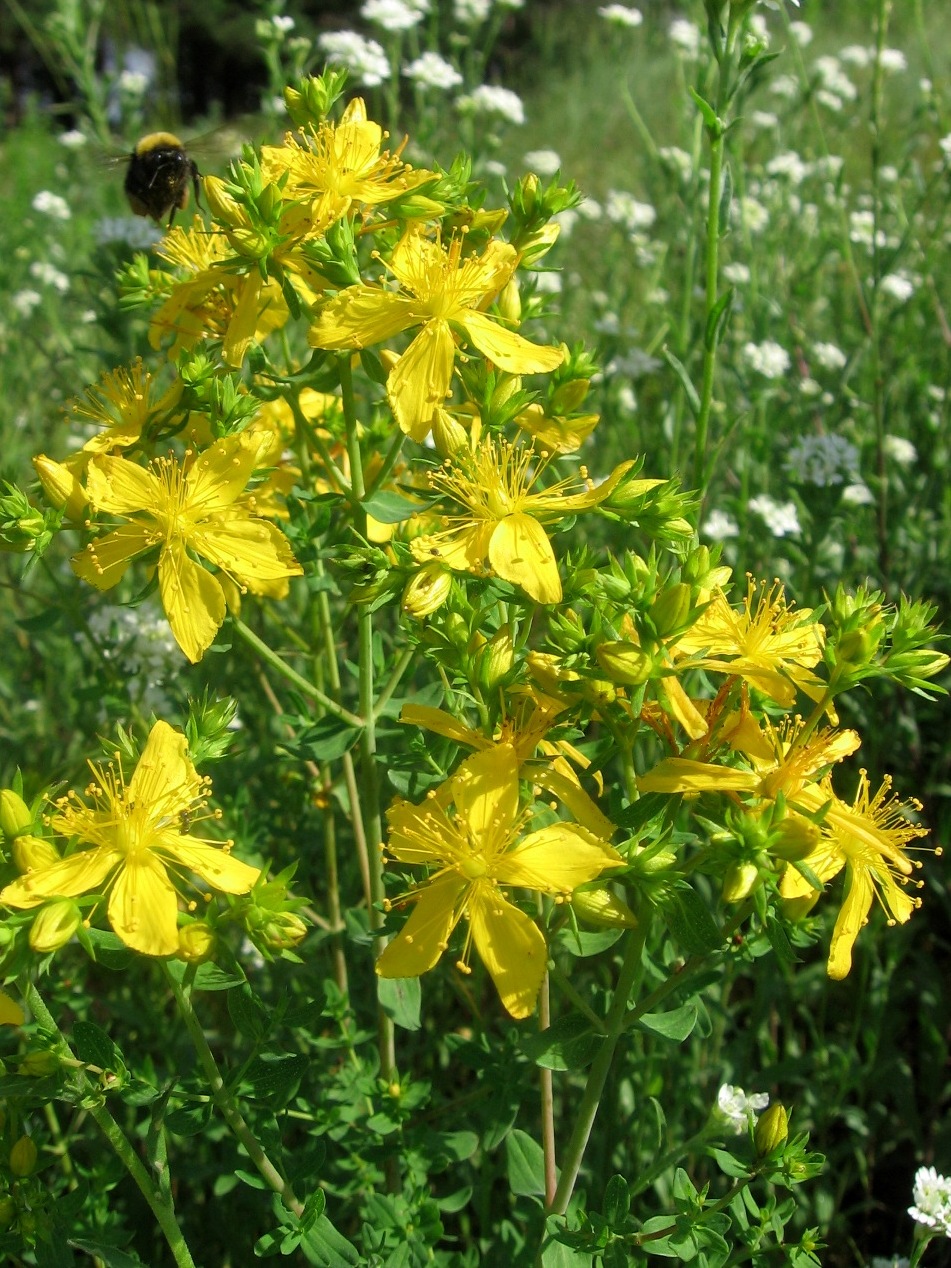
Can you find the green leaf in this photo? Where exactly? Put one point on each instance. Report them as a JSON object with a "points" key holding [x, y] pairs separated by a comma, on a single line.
{"points": [[712, 122], [275, 1078], [189, 1121], [209, 977], [678, 367], [676, 1024], [389, 507], [690, 922], [326, 741], [729, 1165], [249, 1014], [401, 999], [617, 1201], [568, 1044], [94, 1047], [584, 942], [525, 1164], [327, 1248], [110, 1256], [558, 1255], [455, 1201], [718, 317]]}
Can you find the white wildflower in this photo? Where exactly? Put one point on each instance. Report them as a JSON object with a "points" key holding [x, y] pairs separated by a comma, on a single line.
{"points": [[621, 15], [787, 164], [785, 86], [391, 15], [542, 162], [823, 461], [781, 518], [801, 33], [829, 356], [718, 526], [932, 1200], [753, 215], [738, 1109], [769, 358], [893, 60], [857, 494], [899, 450], [897, 286], [49, 275], [23, 302], [51, 205], [856, 55], [429, 70], [364, 59], [471, 12], [686, 36], [74, 139], [487, 99], [622, 208]]}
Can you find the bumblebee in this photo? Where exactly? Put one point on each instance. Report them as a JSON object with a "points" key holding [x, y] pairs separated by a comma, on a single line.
{"points": [[156, 181]]}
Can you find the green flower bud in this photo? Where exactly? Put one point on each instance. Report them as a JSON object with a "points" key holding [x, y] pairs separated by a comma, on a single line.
{"points": [[37, 1065], [54, 925], [23, 1157], [740, 881], [495, 659], [282, 930], [15, 815], [510, 303], [32, 853], [196, 942], [63, 490], [625, 662], [569, 397], [449, 435], [8, 1211], [670, 611], [602, 907], [772, 1130]]}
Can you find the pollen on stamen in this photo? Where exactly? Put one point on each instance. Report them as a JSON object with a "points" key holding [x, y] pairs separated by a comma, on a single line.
{"points": [[463, 967]]}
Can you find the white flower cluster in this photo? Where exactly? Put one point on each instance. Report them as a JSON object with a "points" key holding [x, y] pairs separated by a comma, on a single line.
{"points": [[488, 99], [393, 15], [623, 209], [737, 1108], [781, 518], [364, 59], [51, 205], [621, 15], [429, 70], [932, 1200], [769, 358]]}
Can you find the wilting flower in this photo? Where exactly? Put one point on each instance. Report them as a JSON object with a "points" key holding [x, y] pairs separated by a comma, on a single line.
{"points": [[475, 852], [141, 845], [441, 290], [199, 506], [501, 520]]}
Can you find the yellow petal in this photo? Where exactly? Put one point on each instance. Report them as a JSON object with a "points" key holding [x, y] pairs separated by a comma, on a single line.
{"points": [[120, 487], [679, 774], [11, 1014], [463, 549], [420, 379], [218, 476], [143, 906], [682, 708], [520, 552], [193, 601], [443, 723], [485, 791], [511, 947], [556, 859], [422, 940], [164, 776], [569, 791], [104, 561], [252, 550], [422, 834], [216, 866], [82, 873], [852, 916], [506, 349], [244, 319], [360, 316]]}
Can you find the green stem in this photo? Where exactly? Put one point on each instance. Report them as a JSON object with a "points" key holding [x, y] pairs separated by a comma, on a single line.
{"points": [[160, 1207], [225, 1101], [271, 657], [631, 969]]}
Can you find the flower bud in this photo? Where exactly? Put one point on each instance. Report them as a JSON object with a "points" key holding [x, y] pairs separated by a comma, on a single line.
{"points": [[63, 490], [23, 1157], [427, 590], [772, 1130], [602, 907], [282, 930], [15, 815], [569, 397], [625, 662], [418, 207], [196, 942], [671, 609], [449, 435], [54, 925], [510, 303], [250, 243], [540, 243], [739, 882], [221, 203], [794, 838], [495, 659], [32, 853], [8, 1211]]}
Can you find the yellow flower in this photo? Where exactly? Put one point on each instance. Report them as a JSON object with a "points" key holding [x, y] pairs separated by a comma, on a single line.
{"points": [[475, 852], [866, 838], [344, 159], [128, 406], [442, 292], [767, 643], [201, 507], [502, 520], [138, 833]]}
